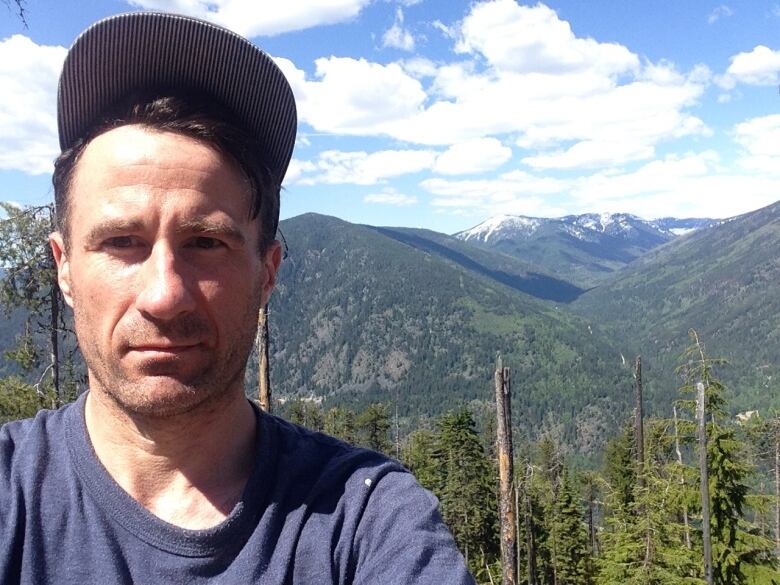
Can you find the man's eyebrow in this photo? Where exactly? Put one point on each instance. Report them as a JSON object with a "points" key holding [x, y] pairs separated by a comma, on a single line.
{"points": [[207, 226], [113, 226]]}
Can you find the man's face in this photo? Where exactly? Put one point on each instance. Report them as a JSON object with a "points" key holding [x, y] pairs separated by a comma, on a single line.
{"points": [[162, 270]]}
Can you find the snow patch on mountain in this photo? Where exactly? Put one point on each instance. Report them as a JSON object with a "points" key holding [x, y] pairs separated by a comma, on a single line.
{"points": [[502, 226], [682, 231], [586, 227]]}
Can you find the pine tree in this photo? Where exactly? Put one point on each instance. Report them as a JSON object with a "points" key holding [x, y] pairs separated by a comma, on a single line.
{"points": [[468, 488], [620, 470], [737, 548], [418, 456], [305, 413], [340, 422], [373, 426], [643, 540], [569, 536], [17, 399], [29, 282]]}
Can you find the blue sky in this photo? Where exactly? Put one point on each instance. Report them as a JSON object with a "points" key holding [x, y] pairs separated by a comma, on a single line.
{"points": [[440, 114]]}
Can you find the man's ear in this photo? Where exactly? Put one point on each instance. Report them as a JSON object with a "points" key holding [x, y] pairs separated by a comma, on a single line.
{"points": [[63, 265], [271, 261]]}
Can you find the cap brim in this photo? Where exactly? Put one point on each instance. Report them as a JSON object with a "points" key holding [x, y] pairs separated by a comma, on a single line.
{"points": [[146, 50]]}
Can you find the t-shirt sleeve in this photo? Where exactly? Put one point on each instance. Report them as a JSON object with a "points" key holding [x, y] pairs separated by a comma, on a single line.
{"points": [[402, 540], [10, 522]]}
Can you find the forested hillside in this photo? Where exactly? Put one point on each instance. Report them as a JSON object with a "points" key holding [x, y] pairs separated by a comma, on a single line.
{"points": [[359, 317], [720, 281]]}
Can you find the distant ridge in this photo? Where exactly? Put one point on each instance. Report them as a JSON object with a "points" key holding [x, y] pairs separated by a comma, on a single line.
{"points": [[584, 249]]}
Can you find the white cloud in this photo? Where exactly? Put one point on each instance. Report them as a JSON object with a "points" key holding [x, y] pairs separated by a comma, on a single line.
{"points": [[252, 18], [760, 140], [390, 197], [419, 67], [296, 170], [362, 168], [354, 96], [718, 12], [397, 36], [592, 153], [515, 192], [28, 101], [532, 39], [445, 30], [694, 184], [525, 76], [472, 156], [758, 67]]}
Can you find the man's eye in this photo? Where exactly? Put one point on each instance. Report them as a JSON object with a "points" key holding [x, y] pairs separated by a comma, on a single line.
{"points": [[122, 242], [205, 243]]}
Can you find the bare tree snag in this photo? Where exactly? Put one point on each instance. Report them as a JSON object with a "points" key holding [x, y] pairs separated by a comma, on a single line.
{"points": [[263, 371], [639, 430], [682, 479], [704, 482], [505, 474], [777, 484]]}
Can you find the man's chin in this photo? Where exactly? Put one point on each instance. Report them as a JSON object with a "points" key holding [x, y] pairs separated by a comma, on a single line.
{"points": [[162, 397]]}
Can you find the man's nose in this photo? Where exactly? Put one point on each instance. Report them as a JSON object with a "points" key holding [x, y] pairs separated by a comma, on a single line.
{"points": [[165, 292]]}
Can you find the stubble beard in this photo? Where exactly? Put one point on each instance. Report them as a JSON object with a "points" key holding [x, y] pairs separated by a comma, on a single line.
{"points": [[163, 392]]}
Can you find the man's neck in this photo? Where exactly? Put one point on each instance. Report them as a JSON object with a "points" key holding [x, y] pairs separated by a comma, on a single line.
{"points": [[189, 470]]}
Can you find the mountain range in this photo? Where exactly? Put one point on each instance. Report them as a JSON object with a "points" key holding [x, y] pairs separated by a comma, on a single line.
{"points": [[586, 249], [369, 313]]}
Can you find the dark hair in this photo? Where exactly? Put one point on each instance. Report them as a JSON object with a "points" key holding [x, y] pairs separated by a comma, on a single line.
{"points": [[198, 116]]}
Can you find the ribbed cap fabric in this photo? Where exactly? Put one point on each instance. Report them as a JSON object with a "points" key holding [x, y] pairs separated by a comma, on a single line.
{"points": [[146, 50]]}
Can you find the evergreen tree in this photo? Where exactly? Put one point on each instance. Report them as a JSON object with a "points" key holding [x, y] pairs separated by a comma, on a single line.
{"points": [[737, 548], [18, 399], [305, 413], [418, 456], [468, 488], [569, 537], [373, 426], [643, 544], [339, 422], [29, 282], [620, 469]]}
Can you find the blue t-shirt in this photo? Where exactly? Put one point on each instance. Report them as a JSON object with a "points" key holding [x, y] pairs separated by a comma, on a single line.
{"points": [[314, 511]]}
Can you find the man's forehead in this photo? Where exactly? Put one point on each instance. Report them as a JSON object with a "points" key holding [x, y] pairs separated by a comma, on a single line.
{"points": [[131, 168], [133, 145]]}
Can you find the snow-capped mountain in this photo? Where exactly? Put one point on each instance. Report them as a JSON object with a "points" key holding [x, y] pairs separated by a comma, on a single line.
{"points": [[583, 248], [586, 227]]}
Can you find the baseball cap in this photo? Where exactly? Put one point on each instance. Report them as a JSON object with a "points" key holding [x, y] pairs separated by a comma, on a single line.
{"points": [[131, 52]]}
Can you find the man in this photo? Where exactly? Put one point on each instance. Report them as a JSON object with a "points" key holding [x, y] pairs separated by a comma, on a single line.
{"points": [[175, 137]]}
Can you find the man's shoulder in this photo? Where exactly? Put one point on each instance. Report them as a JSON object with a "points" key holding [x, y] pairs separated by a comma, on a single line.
{"points": [[315, 448], [29, 437], [325, 463]]}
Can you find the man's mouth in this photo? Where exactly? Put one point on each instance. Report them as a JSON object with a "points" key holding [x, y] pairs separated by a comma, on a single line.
{"points": [[164, 349]]}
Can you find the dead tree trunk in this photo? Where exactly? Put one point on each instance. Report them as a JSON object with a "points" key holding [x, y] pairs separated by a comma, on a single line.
{"points": [[639, 430], [505, 474], [777, 484], [682, 479], [263, 371], [704, 483]]}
